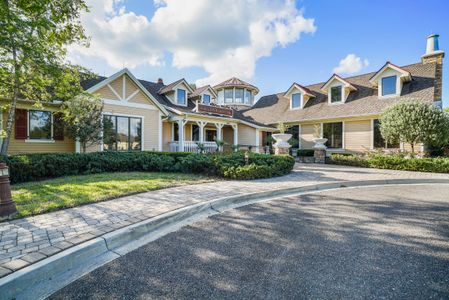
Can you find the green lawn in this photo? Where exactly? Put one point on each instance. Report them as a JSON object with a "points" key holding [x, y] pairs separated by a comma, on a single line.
{"points": [[43, 196]]}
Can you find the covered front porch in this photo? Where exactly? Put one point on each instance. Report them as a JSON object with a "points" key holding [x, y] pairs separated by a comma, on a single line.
{"points": [[201, 136]]}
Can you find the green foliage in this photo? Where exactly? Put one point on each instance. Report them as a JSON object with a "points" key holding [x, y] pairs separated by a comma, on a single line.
{"points": [[394, 162], [33, 40], [293, 142], [32, 167], [306, 152], [83, 119], [282, 127], [413, 122]]}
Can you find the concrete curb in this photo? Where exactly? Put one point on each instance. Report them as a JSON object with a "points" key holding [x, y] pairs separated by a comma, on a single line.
{"points": [[43, 278]]}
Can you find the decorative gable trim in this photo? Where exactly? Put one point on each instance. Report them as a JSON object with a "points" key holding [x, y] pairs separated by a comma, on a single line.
{"points": [[304, 91], [404, 75], [345, 83], [122, 98]]}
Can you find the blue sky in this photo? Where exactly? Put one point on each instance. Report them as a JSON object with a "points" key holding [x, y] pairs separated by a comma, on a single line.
{"points": [[374, 31]]}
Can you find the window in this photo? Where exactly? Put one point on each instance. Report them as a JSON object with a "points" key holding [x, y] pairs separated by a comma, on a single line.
{"points": [[239, 95], [122, 133], [220, 96], [333, 132], [211, 135], [336, 94], [248, 97], [181, 95], [206, 99], [40, 125], [229, 95], [195, 133], [294, 131], [379, 141], [296, 100], [388, 85]]}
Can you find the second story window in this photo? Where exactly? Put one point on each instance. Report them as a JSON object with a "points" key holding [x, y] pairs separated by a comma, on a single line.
{"points": [[181, 96], [336, 94], [389, 85], [239, 95], [296, 100], [248, 97], [229, 95], [206, 99]]}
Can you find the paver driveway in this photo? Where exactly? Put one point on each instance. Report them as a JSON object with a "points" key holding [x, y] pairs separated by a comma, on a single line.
{"points": [[379, 242]]}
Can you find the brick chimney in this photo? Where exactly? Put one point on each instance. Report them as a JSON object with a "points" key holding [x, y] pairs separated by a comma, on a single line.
{"points": [[160, 81], [435, 55]]}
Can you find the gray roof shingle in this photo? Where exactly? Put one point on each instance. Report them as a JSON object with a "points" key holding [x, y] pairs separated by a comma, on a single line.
{"points": [[275, 108]]}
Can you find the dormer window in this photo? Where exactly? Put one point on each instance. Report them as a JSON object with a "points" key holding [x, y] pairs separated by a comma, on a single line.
{"points": [[296, 100], [206, 99], [389, 85], [181, 96], [336, 94]]}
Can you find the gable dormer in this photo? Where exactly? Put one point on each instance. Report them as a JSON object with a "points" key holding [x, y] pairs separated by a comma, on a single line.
{"points": [[204, 95], [389, 80], [177, 92], [298, 95], [337, 89]]}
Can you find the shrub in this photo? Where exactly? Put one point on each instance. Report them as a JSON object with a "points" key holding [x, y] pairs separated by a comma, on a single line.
{"points": [[33, 167], [306, 152], [394, 162]]}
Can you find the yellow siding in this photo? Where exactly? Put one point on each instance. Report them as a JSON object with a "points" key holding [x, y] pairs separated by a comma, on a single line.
{"points": [[140, 98], [358, 135], [105, 92], [117, 85], [166, 135], [307, 136], [228, 135], [247, 135], [22, 146], [188, 132], [130, 87]]}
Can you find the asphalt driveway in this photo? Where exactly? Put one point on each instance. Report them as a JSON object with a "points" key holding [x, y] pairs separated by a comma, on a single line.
{"points": [[380, 242]]}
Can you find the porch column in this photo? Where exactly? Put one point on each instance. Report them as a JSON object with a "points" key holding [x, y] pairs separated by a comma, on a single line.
{"points": [[181, 124], [201, 125], [236, 135], [219, 127]]}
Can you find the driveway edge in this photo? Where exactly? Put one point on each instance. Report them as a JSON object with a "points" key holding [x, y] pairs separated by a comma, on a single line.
{"points": [[43, 278]]}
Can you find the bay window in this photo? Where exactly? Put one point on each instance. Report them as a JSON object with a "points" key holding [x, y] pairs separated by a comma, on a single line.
{"points": [[248, 97], [333, 132], [229, 95], [122, 133], [239, 95]]}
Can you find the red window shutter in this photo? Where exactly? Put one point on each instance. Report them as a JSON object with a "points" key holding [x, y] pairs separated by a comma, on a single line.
{"points": [[58, 127], [21, 124]]}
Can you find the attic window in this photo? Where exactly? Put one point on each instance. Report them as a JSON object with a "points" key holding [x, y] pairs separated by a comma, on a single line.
{"points": [[181, 96], [296, 100], [336, 94], [206, 99], [388, 85]]}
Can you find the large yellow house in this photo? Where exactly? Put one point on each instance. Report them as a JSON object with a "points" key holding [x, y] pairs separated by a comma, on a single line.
{"points": [[153, 116]]}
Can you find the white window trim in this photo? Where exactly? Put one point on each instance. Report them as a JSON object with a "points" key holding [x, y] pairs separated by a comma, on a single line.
{"points": [[176, 97], [300, 101], [329, 96], [142, 134], [398, 87], [44, 141]]}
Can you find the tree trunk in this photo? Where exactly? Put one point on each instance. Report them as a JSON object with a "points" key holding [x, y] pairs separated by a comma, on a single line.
{"points": [[12, 109], [413, 147]]}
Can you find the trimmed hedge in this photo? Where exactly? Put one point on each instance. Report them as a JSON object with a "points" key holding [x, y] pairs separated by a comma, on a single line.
{"points": [[394, 162], [32, 167], [306, 152]]}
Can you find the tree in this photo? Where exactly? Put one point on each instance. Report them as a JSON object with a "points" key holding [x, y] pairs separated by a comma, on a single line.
{"points": [[33, 40], [83, 119], [415, 122]]}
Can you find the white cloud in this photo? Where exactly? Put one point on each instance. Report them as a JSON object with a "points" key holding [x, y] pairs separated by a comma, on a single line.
{"points": [[225, 38], [351, 64]]}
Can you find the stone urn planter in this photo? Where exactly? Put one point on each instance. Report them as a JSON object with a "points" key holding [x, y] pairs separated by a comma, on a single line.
{"points": [[281, 146], [320, 150]]}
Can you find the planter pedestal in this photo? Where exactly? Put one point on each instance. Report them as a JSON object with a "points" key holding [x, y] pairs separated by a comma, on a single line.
{"points": [[282, 147], [320, 151]]}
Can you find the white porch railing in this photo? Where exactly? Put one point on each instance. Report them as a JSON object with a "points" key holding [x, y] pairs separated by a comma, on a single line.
{"points": [[191, 146]]}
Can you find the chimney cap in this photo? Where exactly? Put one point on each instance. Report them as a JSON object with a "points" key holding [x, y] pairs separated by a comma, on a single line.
{"points": [[160, 81], [433, 35]]}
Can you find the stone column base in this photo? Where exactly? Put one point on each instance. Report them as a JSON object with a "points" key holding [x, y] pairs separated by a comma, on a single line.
{"points": [[320, 156], [281, 151]]}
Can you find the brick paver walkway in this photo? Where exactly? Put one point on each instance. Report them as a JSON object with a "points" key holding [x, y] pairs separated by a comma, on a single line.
{"points": [[26, 241]]}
